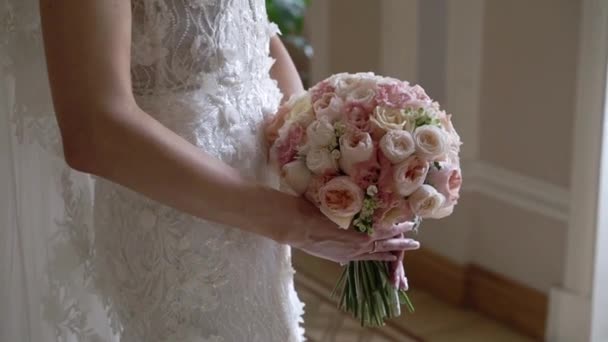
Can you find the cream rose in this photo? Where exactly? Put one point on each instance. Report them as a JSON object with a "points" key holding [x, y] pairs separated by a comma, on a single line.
{"points": [[355, 147], [397, 146], [301, 109], [320, 133], [409, 175], [341, 200], [321, 161], [442, 212], [297, 176], [426, 201], [431, 142], [387, 119], [396, 215], [329, 106]]}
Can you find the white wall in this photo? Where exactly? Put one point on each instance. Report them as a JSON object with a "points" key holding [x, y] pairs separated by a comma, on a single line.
{"points": [[507, 71]]}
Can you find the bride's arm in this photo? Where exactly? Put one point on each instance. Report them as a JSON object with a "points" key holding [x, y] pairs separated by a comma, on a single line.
{"points": [[105, 133], [284, 71]]}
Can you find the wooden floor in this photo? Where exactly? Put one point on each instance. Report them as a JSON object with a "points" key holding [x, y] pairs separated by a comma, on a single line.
{"points": [[434, 320]]}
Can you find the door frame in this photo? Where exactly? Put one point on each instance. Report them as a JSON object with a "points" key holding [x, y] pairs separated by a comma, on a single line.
{"points": [[575, 310]]}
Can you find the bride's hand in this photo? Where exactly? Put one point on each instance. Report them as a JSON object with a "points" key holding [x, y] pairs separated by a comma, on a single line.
{"points": [[397, 272], [322, 238], [273, 124]]}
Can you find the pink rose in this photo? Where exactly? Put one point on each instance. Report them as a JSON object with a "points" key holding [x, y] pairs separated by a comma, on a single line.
{"points": [[393, 95], [419, 94], [366, 173], [328, 106], [447, 180], [321, 89], [358, 117], [341, 199], [410, 175], [287, 148], [355, 147]]}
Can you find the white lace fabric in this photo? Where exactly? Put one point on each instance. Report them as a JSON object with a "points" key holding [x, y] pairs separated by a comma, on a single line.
{"points": [[127, 268]]}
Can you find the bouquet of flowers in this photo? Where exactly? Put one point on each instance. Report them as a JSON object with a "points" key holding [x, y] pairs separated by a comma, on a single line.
{"points": [[370, 152]]}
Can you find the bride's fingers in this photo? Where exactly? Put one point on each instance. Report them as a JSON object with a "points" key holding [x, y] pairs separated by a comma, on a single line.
{"points": [[397, 244], [394, 230], [375, 257], [403, 284], [396, 269]]}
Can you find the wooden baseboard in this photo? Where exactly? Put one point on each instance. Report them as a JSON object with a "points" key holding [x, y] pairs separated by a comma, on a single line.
{"points": [[520, 307], [436, 274]]}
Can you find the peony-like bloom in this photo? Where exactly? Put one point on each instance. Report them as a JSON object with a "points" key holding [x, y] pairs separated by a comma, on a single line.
{"points": [[320, 133], [431, 142], [358, 117], [409, 175], [426, 201], [321, 161], [297, 176], [418, 93], [355, 147], [366, 173], [341, 200], [447, 180], [397, 146], [453, 139], [329, 107], [362, 93], [321, 89], [393, 95], [286, 148]]}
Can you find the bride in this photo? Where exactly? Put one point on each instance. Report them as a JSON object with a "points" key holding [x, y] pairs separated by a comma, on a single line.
{"points": [[182, 236]]}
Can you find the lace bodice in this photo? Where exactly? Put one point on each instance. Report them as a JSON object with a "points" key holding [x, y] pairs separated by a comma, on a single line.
{"points": [[188, 44]]}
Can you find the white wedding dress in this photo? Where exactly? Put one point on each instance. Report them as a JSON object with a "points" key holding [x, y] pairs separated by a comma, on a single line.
{"points": [[83, 259]]}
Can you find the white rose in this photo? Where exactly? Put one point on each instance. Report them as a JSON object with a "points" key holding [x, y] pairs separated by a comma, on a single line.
{"points": [[297, 176], [341, 199], [431, 142], [329, 106], [397, 146], [355, 148], [363, 92], [426, 201], [358, 87], [321, 161], [320, 133], [410, 174]]}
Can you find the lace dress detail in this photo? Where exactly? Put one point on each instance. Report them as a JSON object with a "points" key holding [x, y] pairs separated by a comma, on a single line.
{"points": [[201, 68]]}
